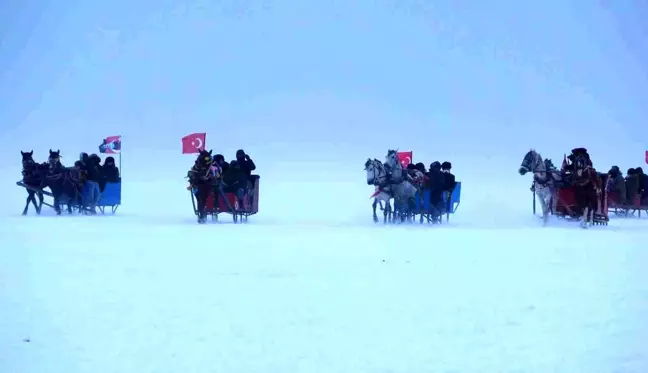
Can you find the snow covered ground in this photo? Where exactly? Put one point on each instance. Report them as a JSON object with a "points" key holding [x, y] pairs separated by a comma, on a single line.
{"points": [[152, 291]]}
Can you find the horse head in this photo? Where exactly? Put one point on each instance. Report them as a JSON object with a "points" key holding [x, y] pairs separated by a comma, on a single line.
{"points": [[54, 158], [367, 164], [27, 158], [531, 161], [205, 158], [375, 171], [392, 157]]}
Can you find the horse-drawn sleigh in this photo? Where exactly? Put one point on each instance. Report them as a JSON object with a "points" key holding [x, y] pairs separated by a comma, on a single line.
{"points": [[210, 196], [576, 192], [64, 187], [412, 191]]}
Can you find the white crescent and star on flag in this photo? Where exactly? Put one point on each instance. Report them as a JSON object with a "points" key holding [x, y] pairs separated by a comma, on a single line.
{"points": [[197, 142]]}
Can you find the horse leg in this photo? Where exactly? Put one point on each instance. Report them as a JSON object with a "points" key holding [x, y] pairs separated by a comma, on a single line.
{"points": [[30, 197], [33, 199], [200, 205], [57, 205], [411, 209], [203, 192], [545, 203], [585, 218], [387, 212], [545, 212], [40, 202], [593, 207], [373, 205]]}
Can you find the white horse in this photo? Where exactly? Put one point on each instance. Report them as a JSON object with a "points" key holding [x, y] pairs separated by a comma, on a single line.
{"points": [[377, 175], [543, 181], [403, 188]]}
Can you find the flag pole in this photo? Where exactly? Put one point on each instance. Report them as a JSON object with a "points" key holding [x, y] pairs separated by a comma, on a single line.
{"points": [[120, 152]]}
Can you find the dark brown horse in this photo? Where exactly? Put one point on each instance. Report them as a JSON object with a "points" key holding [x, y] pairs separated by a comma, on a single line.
{"points": [[201, 179], [587, 189], [32, 177]]}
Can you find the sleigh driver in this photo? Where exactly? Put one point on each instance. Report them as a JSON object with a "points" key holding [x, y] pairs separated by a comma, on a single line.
{"points": [[587, 185]]}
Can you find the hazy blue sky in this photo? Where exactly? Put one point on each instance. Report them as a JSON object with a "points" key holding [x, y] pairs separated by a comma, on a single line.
{"points": [[459, 80]]}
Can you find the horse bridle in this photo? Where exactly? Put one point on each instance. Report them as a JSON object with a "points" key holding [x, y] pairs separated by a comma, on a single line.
{"points": [[379, 173]]}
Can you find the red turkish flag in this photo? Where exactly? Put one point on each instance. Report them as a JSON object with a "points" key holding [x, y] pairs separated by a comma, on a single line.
{"points": [[194, 143], [405, 158]]}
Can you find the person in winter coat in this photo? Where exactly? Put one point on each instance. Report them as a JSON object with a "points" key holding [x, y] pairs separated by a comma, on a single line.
{"points": [[94, 181], [220, 162], [110, 171], [632, 185], [643, 186], [245, 162], [247, 165], [436, 181], [616, 184], [235, 181], [449, 178]]}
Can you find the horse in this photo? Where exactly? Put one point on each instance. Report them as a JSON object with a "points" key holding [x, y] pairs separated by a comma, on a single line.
{"points": [[377, 175], [65, 183], [394, 167], [544, 180], [32, 178], [201, 178], [587, 188], [403, 187]]}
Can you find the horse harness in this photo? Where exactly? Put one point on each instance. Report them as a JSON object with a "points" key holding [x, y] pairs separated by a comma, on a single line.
{"points": [[201, 173]]}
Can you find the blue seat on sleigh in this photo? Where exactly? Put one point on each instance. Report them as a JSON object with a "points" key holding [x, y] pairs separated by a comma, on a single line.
{"points": [[110, 197]]}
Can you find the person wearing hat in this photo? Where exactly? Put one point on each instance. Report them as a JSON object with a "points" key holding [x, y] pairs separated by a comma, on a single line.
{"points": [[247, 166], [632, 185], [94, 180], [245, 162], [110, 171], [436, 181], [448, 177], [616, 184], [643, 186]]}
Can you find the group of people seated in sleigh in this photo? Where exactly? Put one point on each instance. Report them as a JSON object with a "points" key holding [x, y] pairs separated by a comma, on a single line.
{"points": [[226, 177], [630, 190], [94, 177], [438, 179]]}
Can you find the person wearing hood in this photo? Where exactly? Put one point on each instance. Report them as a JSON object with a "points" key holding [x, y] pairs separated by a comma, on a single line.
{"points": [[616, 184], [110, 171], [245, 162], [247, 166]]}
